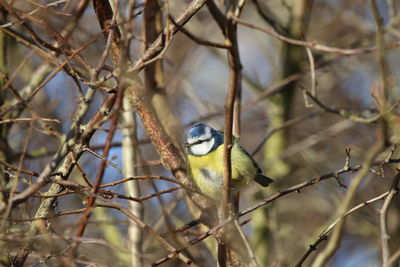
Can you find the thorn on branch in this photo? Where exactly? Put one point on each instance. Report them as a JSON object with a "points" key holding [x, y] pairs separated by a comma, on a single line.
{"points": [[313, 247]]}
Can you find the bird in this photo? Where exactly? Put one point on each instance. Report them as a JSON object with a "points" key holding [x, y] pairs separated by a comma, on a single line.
{"points": [[204, 147]]}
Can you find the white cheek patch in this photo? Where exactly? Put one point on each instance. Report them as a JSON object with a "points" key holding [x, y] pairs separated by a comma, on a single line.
{"points": [[203, 148]]}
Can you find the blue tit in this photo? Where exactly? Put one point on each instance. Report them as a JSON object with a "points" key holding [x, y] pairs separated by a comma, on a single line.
{"points": [[205, 159]]}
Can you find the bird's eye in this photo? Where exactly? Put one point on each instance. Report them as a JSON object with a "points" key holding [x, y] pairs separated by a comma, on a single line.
{"points": [[198, 142]]}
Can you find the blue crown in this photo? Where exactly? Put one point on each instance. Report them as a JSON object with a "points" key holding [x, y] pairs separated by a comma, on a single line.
{"points": [[203, 131]]}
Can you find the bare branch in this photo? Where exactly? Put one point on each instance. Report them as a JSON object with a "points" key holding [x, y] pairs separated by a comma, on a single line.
{"points": [[385, 237], [314, 45], [333, 243]]}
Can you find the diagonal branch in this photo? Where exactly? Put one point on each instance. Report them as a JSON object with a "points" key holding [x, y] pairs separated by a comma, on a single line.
{"points": [[314, 45], [280, 194], [383, 219], [333, 243]]}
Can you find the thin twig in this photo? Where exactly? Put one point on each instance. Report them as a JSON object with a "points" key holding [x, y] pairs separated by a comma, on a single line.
{"points": [[323, 236], [196, 39], [314, 45], [171, 29], [28, 119], [283, 126], [145, 177], [108, 162], [282, 193], [118, 105], [58, 214], [148, 229], [269, 18], [383, 219], [312, 74], [393, 258], [351, 116], [333, 242], [14, 185], [232, 112]]}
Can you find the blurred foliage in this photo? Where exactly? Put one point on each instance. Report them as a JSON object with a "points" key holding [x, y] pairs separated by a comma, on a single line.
{"points": [[190, 86]]}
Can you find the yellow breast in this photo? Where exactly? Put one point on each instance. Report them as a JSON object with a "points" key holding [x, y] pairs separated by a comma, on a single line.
{"points": [[207, 171]]}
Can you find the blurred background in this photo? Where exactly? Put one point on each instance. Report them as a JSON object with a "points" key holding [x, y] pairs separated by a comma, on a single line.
{"points": [[293, 137]]}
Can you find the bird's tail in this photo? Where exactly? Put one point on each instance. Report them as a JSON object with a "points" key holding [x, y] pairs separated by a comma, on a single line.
{"points": [[263, 180]]}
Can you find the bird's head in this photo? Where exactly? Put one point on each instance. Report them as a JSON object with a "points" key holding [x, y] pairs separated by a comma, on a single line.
{"points": [[202, 139]]}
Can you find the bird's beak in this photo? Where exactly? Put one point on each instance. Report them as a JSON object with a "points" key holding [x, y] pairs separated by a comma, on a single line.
{"points": [[186, 145]]}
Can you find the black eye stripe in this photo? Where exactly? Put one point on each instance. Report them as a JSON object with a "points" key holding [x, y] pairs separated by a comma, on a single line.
{"points": [[201, 141]]}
